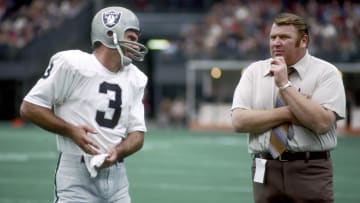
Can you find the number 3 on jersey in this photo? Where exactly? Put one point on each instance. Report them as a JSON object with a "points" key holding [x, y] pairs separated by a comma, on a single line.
{"points": [[113, 104]]}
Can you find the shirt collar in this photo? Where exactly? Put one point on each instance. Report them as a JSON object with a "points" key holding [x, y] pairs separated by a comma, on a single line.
{"points": [[301, 66]]}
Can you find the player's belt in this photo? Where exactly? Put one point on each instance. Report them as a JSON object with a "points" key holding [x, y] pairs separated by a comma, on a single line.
{"points": [[293, 156]]}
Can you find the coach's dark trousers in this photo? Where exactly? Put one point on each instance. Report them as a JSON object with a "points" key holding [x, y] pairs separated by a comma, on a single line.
{"points": [[297, 181]]}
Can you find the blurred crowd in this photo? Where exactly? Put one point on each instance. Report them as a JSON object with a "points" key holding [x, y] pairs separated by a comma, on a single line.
{"points": [[238, 29], [171, 112], [23, 21], [165, 6], [232, 29]]}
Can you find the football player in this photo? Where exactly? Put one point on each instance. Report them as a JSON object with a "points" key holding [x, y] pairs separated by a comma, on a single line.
{"points": [[93, 103]]}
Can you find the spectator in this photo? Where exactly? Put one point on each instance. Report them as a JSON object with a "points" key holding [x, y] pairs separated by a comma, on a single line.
{"points": [[238, 29], [31, 20]]}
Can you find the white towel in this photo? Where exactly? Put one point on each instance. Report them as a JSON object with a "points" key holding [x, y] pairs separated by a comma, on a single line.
{"points": [[94, 162]]}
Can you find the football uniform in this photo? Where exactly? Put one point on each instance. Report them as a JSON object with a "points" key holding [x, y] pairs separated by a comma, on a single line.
{"points": [[82, 91]]}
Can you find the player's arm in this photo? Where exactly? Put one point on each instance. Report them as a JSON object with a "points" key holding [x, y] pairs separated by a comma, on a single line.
{"points": [[136, 125], [46, 119], [131, 144], [135, 120]]}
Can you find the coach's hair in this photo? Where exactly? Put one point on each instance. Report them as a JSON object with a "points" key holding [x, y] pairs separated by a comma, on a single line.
{"points": [[295, 20]]}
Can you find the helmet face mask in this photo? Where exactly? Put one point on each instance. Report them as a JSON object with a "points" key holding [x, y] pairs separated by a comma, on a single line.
{"points": [[138, 53], [109, 26]]}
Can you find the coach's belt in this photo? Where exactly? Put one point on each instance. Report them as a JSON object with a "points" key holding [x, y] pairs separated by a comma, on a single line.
{"points": [[293, 156]]}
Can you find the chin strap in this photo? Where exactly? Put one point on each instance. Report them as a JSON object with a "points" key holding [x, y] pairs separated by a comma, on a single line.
{"points": [[124, 59]]}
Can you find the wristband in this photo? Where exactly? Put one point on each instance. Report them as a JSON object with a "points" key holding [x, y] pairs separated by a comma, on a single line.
{"points": [[288, 84]]}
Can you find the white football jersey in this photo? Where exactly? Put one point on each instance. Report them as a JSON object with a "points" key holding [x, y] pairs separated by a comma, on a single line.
{"points": [[82, 91]]}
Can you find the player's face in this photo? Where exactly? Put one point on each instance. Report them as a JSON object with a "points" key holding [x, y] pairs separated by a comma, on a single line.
{"points": [[285, 41], [131, 35]]}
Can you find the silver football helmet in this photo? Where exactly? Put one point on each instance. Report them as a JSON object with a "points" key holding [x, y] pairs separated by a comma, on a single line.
{"points": [[109, 26]]}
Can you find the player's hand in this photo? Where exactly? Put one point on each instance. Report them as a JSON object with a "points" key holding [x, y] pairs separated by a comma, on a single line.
{"points": [[111, 159], [80, 137], [278, 69]]}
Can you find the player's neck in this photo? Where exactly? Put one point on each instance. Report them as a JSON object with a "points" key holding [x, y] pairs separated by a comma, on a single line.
{"points": [[110, 59]]}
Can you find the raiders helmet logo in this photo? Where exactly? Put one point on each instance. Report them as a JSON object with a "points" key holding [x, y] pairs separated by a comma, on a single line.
{"points": [[111, 18]]}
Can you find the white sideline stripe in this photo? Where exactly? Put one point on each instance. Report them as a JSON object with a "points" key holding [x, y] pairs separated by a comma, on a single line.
{"points": [[27, 156]]}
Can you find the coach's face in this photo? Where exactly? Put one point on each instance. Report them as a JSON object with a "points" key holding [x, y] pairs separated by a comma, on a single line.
{"points": [[285, 41]]}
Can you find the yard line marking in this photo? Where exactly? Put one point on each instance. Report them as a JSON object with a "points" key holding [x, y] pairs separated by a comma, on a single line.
{"points": [[28, 181], [27, 156], [174, 172], [19, 200], [192, 187], [347, 196], [219, 141], [149, 146], [180, 161]]}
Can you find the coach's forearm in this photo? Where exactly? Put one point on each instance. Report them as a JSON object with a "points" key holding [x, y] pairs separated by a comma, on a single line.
{"points": [[311, 114], [258, 121]]}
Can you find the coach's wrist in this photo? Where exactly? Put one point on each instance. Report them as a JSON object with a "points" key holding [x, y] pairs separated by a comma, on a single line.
{"points": [[283, 87]]}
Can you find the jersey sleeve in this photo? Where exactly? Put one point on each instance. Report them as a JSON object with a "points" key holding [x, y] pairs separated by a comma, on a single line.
{"points": [[53, 87], [136, 118]]}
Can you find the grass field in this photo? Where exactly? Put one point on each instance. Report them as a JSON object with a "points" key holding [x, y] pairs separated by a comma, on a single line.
{"points": [[175, 165]]}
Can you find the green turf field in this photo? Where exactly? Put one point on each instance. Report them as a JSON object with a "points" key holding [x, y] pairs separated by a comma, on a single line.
{"points": [[175, 165]]}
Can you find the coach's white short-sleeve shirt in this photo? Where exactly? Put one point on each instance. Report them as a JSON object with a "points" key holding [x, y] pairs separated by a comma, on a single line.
{"points": [[315, 78], [81, 91]]}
